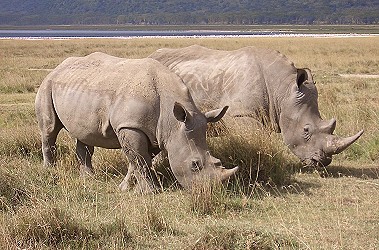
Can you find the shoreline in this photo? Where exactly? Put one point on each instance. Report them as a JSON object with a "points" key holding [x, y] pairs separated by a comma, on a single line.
{"points": [[287, 35]]}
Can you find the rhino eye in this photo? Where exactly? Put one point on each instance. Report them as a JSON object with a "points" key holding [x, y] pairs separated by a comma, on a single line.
{"points": [[307, 135], [189, 127], [196, 166]]}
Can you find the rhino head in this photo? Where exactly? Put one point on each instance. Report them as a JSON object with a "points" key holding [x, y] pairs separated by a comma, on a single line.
{"points": [[187, 149], [307, 135]]}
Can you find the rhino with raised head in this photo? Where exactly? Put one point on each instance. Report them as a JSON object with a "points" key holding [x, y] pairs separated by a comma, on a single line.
{"points": [[137, 105], [260, 85]]}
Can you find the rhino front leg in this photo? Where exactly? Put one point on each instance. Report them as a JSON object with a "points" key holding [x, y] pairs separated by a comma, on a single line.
{"points": [[84, 154], [125, 185], [135, 145]]}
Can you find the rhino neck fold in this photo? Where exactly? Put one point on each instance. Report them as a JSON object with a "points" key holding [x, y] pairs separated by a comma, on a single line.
{"points": [[275, 116], [163, 133], [279, 104], [167, 126]]}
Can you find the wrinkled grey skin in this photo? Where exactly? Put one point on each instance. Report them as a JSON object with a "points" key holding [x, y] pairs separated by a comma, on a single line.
{"points": [[137, 105], [263, 86]]}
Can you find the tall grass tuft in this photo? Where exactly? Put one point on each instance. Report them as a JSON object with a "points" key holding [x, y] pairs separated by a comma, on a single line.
{"points": [[153, 221], [259, 153], [206, 197], [118, 231], [21, 142], [217, 237], [110, 163], [46, 224], [12, 191], [19, 81], [6, 242]]}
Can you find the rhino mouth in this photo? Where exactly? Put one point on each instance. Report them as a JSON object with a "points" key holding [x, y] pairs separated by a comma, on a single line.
{"points": [[314, 163], [318, 160]]}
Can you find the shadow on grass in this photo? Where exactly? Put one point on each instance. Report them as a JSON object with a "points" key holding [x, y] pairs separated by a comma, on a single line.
{"points": [[344, 171]]}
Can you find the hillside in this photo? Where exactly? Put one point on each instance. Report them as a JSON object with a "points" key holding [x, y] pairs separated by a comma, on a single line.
{"points": [[62, 12]]}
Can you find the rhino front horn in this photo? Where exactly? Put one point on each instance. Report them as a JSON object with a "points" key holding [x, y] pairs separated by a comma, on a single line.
{"points": [[335, 145], [227, 173]]}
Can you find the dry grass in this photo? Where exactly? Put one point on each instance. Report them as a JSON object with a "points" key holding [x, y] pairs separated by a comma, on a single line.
{"points": [[54, 208]]}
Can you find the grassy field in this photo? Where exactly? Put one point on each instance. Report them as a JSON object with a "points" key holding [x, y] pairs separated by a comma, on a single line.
{"points": [[281, 207]]}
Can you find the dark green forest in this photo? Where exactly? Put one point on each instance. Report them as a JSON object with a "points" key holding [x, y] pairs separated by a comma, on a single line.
{"points": [[181, 12]]}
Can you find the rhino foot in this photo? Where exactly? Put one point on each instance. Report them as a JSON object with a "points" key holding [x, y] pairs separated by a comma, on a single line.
{"points": [[86, 171], [141, 187], [144, 187], [124, 186]]}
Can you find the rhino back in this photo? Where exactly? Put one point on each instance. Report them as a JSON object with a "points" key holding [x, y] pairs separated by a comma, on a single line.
{"points": [[97, 95], [248, 79]]}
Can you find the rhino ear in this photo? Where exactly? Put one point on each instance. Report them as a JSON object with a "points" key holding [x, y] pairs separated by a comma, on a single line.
{"points": [[180, 112], [216, 115], [303, 75]]}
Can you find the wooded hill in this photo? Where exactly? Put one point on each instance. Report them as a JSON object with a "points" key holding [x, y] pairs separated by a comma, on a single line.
{"points": [[181, 12]]}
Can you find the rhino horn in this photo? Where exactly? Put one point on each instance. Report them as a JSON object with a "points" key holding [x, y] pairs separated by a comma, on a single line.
{"points": [[336, 145], [216, 115], [328, 127], [227, 173]]}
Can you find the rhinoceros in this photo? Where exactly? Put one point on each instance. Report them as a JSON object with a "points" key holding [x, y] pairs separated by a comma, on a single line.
{"points": [[134, 104], [260, 85]]}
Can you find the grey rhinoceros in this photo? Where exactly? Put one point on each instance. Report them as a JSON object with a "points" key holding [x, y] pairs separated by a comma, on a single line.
{"points": [[260, 85], [137, 105]]}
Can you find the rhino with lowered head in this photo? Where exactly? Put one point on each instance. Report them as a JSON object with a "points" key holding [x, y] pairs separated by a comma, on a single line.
{"points": [[137, 105], [260, 85]]}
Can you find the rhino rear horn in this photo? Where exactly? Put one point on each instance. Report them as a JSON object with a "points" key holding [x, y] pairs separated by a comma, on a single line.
{"points": [[216, 115], [227, 173], [328, 127], [335, 145]]}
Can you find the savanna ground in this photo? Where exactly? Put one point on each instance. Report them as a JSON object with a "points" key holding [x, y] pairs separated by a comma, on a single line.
{"points": [[280, 206]]}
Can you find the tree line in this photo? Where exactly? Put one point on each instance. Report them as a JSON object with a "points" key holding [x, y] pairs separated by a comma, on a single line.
{"points": [[180, 12]]}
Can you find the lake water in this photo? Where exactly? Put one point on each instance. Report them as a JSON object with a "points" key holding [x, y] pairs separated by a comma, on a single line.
{"points": [[66, 34], [124, 33]]}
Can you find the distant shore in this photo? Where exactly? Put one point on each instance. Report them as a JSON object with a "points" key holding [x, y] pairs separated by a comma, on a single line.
{"points": [[303, 29]]}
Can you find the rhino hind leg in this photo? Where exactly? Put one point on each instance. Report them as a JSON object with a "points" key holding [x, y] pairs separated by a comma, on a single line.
{"points": [[135, 145], [84, 154], [48, 123], [49, 132], [49, 148]]}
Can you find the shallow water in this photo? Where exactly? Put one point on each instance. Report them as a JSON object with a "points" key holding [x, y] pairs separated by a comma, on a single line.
{"points": [[123, 33]]}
